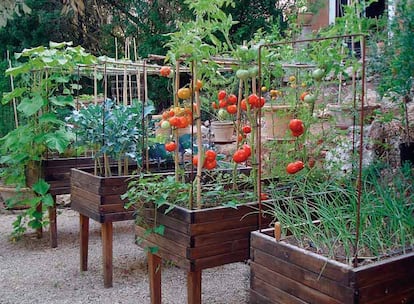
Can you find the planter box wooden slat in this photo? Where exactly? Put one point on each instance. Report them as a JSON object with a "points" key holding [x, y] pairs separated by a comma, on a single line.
{"points": [[221, 213], [301, 258], [311, 277], [232, 234], [216, 249], [275, 295], [285, 283], [278, 266], [223, 225]]}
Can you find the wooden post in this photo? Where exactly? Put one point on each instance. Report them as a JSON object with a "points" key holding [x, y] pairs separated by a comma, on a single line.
{"points": [[194, 287], [53, 224], [84, 240], [39, 231], [154, 270], [107, 253]]}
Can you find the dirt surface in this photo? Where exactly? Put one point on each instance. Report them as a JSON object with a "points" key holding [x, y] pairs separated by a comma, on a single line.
{"points": [[32, 272]]}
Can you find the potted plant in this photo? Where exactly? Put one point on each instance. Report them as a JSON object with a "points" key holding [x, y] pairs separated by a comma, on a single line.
{"points": [[44, 89]]}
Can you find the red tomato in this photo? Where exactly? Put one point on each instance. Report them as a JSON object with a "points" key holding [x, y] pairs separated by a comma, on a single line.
{"points": [[210, 164], [246, 129], [170, 146], [232, 99], [247, 149], [165, 71], [240, 156], [232, 109], [241, 137], [296, 125], [222, 103], [263, 196], [302, 96], [210, 155], [183, 122], [298, 133], [174, 121], [261, 102], [253, 100], [214, 105], [243, 105], [294, 167], [222, 94]]}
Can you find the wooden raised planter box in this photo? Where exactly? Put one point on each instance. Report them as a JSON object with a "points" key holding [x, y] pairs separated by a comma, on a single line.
{"points": [[198, 239], [283, 273]]}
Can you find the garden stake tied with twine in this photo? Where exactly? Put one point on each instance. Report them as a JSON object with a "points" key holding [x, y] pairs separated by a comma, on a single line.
{"points": [[277, 227]]}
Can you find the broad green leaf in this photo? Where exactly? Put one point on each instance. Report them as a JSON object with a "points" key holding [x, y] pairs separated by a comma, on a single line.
{"points": [[50, 118], [21, 69], [159, 229], [30, 106], [29, 52], [41, 187], [57, 141], [62, 100], [7, 97], [47, 200]]}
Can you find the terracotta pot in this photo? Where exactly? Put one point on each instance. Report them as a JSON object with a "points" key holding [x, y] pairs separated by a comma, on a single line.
{"points": [[276, 121], [223, 131]]}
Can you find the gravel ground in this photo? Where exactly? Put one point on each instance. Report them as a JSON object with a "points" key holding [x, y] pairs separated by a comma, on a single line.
{"points": [[32, 272]]}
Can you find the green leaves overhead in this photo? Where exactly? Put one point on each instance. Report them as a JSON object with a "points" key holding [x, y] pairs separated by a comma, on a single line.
{"points": [[30, 106]]}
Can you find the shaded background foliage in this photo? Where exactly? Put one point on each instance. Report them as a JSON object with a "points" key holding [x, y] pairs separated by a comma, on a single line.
{"points": [[95, 25]]}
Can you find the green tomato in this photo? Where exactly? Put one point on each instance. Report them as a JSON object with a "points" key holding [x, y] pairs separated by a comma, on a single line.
{"points": [[253, 71], [309, 98], [165, 125], [318, 74], [242, 74], [222, 114]]}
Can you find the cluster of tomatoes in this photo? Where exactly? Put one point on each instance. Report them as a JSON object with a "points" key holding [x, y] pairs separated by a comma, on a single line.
{"points": [[226, 102], [242, 154], [178, 117], [210, 161]]}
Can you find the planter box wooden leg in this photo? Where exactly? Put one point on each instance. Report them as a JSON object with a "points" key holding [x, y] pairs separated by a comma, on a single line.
{"points": [[84, 240], [194, 287], [39, 231], [107, 253], [53, 224], [154, 270]]}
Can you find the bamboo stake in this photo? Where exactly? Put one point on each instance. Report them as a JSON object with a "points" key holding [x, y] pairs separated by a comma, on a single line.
{"points": [[175, 131], [116, 75], [199, 137], [16, 120], [278, 232], [125, 87], [95, 85], [138, 74]]}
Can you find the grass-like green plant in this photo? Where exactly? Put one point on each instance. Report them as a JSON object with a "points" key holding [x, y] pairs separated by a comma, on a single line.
{"points": [[321, 215]]}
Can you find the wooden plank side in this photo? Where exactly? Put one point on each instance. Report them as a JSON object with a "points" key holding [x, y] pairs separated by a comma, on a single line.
{"points": [[166, 220], [179, 213], [167, 255], [85, 180], [394, 286], [161, 242], [115, 198], [385, 270], [211, 227], [213, 238], [219, 213], [275, 294], [117, 216], [217, 249], [303, 276], [313, 262], [218, 260], [289, 286], [256, 298], [85, 197], [406, 297], [114, 208], [84, 209]]}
